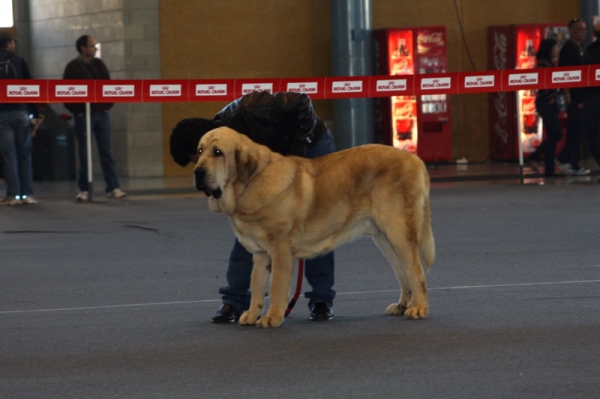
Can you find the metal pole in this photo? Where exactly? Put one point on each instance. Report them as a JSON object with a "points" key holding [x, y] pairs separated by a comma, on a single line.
{"points": [[519, 129], [88, 139], [352, 55]]}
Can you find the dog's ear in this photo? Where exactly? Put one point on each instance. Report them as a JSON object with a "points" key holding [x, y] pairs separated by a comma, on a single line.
{"points": [[246, 164]]}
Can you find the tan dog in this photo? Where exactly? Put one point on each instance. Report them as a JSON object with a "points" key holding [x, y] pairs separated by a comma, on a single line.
{"points": [[282, 208]]}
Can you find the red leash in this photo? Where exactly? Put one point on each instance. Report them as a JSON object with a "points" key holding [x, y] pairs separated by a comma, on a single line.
{"points": [[298, 287]]}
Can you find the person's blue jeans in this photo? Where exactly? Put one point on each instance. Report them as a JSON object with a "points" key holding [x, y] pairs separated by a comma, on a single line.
{"points": [[100, 124], [318, 271], [16, 144]]}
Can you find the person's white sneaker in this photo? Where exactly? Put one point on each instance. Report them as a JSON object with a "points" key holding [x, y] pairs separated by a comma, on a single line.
{"points": [[82, 196], [116, 193], [565, 168], [28, 200], [582, 172], [10, 201]]}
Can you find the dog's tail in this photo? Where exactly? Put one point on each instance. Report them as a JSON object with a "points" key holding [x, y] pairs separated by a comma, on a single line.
{"points": [[426, 240]]}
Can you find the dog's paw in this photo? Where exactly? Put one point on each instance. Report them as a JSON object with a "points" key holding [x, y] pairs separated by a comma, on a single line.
{"points": [[396, 309], [248, 319], [415, 312], [270, 321]]}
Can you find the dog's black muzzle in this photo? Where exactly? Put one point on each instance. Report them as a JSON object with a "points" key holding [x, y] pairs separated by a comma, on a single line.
{"points": [[199, 182]]}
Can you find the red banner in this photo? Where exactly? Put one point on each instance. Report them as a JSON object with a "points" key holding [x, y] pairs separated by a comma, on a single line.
{"points": [[318, 88]]}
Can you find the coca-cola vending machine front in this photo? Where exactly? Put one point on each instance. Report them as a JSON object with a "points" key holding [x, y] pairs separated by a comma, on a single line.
{"points": [[512, 114], [418, 124]]}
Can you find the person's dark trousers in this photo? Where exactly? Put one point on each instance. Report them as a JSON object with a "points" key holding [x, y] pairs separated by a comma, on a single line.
{"points": [[591, 124], [549, 114], [570, 153], [100, 124]]}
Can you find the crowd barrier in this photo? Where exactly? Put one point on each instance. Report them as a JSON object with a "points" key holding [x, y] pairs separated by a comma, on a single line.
{"points": [[318, 88]]}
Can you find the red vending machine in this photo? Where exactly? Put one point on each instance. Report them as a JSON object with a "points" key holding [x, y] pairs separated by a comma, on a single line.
{"points": [[419, 124], [512, 114]]}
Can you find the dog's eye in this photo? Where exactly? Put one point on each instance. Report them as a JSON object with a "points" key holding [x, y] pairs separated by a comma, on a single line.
{"points": [[217, 152]]}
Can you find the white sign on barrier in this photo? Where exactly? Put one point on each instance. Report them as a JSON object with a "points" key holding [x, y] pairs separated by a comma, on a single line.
{"points": [[211, 89], [165, 91], [355, 86], [391, 85], [303, 87], [118, 90], [22, 90], [480, 81], [71, 91], [252, 87], [518, 79], [566, 76], [436, 83]]}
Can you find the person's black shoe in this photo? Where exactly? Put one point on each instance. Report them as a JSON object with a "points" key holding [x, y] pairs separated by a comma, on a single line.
{"points": [[321, 311], [226, 314]]}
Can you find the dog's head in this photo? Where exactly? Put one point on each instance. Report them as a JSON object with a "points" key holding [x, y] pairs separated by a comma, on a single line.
{"points": [[225, 158]]}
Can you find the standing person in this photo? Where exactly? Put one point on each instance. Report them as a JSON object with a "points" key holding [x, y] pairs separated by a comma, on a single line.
{"points": [[16, 130], [87, 66], [287, 124], [571, 55], [547, 107], [591, 100]]}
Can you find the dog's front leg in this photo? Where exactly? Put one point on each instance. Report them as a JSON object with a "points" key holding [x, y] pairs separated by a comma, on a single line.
{"points": [[282, 264], [258, 287]]}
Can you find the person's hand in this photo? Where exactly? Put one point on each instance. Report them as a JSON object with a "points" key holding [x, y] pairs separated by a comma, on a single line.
{"points": [[35, 123]]}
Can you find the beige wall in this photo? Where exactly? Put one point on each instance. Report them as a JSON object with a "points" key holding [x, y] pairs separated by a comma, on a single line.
{"points": [[282, 38]]}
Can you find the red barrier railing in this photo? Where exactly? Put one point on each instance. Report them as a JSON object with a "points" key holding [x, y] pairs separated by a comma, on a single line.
{"points": [[319, 88]]}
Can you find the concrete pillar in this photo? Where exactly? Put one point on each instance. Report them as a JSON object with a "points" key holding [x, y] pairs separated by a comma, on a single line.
{"points": [[352, 55]]}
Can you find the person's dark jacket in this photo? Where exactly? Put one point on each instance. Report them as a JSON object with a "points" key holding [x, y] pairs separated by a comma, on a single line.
{"points": [[78, 69], [284, 122], [570, 55], [22, 70], [547, 96], [592, 56]]}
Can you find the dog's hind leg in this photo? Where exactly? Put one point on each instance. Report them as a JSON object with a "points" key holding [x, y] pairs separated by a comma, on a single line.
{"points": [[258, 286], [402, 234], [405, 293]]}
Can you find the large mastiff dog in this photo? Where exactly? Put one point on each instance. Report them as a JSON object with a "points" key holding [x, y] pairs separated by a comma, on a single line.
{"points": [[282, 208]]}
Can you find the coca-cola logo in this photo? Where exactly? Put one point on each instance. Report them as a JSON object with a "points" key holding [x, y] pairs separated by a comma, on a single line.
{"points": [[23, 91], [404, 110], [528, 106], [428, 41], [500, 43], [253, 87]]}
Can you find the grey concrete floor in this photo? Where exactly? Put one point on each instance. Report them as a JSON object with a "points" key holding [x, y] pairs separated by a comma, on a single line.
{"points": [[114, 298]]}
